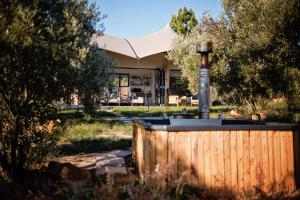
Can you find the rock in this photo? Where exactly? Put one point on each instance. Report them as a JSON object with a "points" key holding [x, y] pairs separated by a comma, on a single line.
{"points": [[278, 100], [255, 117], [235, 113], [112, 162], [263, 114], [111, 170], [121, 153], [68, 171], [109, 160]]}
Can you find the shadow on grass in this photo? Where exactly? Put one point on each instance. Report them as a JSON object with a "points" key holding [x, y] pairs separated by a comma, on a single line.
{"points": [[74, 114], [77, 114], [169, 110], [64, 116], [93, 145], [151, 114]]}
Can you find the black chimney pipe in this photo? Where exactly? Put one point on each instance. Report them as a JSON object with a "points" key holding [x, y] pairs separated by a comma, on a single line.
{"points": [[204, 48]]}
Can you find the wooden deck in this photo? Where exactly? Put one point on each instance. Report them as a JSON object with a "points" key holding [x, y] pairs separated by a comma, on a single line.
{"points": [[236, 160]]}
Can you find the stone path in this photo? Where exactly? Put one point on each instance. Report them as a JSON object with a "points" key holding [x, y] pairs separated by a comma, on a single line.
{"points": [[111, 162], [125, 120]]}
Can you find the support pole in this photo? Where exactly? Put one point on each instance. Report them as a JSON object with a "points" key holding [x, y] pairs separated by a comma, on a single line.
{"points": [[167, 83], [204, 48]]}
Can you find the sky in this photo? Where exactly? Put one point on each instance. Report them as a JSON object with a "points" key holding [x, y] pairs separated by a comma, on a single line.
{"points": [[132, 18]]}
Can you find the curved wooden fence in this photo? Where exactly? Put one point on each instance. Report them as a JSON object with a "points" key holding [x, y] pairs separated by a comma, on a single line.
{"points": [[235, 160]]}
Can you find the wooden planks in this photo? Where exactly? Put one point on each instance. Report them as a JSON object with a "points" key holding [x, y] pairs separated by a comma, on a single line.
{"points": [[172, 157], [161, 165], [265, 161], [207, 160], [221, 160], [290, 183], [153, 152], [271, 155], [194, 158], [237, 160], [146, 155], [214, 158], [259, 160], [201, 161], [233, 161], [252, 160], [277, 160], [240, 161], [227, 159], [283, 160], [246, 159]]}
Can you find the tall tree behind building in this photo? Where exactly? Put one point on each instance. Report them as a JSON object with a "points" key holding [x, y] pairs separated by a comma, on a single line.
{"points": [[184, 21]]}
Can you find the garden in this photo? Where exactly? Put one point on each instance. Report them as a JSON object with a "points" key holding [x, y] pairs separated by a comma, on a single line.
{"points": [[86, 153]]}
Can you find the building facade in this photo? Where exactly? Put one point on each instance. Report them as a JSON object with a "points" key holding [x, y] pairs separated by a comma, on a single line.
{"points": [[143, 74]]}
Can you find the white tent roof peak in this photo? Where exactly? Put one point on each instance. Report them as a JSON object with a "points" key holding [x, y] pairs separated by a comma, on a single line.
{"points": [[137, 47]]}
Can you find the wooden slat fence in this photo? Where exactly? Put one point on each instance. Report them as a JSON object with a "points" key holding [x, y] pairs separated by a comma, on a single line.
{"points": [[235, 160]]}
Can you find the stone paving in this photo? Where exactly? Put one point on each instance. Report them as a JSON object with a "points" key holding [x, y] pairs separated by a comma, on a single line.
{"points": [[111, 162]]}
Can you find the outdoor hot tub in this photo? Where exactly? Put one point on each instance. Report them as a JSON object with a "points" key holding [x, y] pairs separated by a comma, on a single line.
{"points": [[238, 155]]}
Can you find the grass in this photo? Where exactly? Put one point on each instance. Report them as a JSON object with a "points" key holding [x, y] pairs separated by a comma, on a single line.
{"points": [[94, 136], [137, 111], [279, 112], [82, 135], [77, 114], [156, 111], [96, 129]]}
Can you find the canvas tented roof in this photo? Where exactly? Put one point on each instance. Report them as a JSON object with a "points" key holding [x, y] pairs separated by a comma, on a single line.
{"points": [[139, 47]]}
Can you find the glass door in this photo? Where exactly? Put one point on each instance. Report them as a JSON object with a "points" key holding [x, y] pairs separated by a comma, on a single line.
{"points": [[159, 86], [120, 86]]}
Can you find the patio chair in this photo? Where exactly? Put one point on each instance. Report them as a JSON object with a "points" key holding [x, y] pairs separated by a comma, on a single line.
{"points": [[124, 95], [173, 100]]}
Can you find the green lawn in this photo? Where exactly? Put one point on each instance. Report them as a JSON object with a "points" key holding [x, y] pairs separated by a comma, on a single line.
{"points": [[156, 111], [82, 135], [94, 136], [138, 111]]}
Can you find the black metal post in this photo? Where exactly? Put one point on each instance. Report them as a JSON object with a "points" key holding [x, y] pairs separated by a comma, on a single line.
{"points": [[204, 48]]}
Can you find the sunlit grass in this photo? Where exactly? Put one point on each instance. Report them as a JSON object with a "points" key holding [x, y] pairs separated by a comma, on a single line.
{"points": [[97, 129], [157, 111], [95, 136]]}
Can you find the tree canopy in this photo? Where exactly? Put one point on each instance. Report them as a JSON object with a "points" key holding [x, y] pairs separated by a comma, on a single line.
{"points": [[256, 51], [95, 72], [43, 45], [184, 21]]}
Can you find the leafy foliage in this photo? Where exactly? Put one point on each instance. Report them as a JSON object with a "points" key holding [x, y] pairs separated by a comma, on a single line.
{"points": [[42, 46], [184, 54], [184, 22], [95, 72], [256, 52]]}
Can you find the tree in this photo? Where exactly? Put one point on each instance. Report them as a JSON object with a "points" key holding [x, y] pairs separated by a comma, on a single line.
{"points": [[42, 46], [184, 54], [255, 55], [262, 53], [184, 22], [95, 72]]}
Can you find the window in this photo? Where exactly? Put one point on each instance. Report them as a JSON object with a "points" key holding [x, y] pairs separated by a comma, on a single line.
{"points": [[121, 80], [124, 80], [116, 81]]}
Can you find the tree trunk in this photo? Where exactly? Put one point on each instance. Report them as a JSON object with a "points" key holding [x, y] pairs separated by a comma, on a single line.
{"points": [[5, 172], [13, 151]]}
